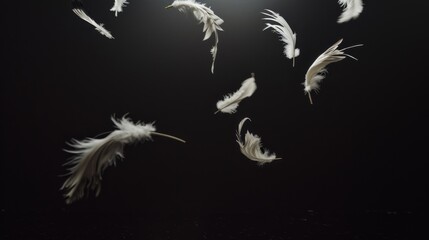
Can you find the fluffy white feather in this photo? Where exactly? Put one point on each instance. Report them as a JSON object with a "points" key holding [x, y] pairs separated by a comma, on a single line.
{"points": [[99, 27], [351, 10], [252, 146], [317, 70], [230, 102], [118, 5], [204, 15], [287, 36], [93, 156]]}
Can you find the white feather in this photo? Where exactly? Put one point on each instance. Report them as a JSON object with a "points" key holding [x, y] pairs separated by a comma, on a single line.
{"points": [[99, 27], [230, 102], [286, 34], [351, 10], [316, 73], [93, 156], [204, 15], [118, 5], [252, 146]]}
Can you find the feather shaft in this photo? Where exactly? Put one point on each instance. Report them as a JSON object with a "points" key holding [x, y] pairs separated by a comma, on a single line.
{"points": [[168, 136], [309, 97]]}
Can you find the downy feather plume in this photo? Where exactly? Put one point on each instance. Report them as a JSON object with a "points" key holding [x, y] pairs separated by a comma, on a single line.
{"points": [[351, 9], [317, 70], [204, 15], [230, 102], [93, 156], [251, 147], [77, 8], [118, 5], [286, 35]]}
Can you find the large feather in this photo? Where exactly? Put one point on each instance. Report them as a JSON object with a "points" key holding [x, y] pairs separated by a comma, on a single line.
{"points": [[252, 146], [204, 15], [77, 8], [93, 156], [351, 9], [286, 34], [317, 70], [118, 5], [230, 102]]}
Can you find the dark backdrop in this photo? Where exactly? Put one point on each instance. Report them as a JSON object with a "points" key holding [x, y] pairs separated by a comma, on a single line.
{"points": [[360, 147]]}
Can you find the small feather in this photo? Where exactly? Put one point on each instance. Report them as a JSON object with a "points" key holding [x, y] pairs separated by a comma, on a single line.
{"points": [[93, 156], [77, 8], [204, 15], [317, 71], [118, 5], [230, 102], [286, 34], [252, 146], [351, 10]]}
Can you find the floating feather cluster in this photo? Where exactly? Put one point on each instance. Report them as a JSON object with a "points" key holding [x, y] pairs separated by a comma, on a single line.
{"points": [[317, 71], [252, 146], [93, 156], [286, 35], [204, 15], [230, 102]]}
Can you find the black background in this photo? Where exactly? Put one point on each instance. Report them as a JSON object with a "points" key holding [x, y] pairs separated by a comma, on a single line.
{"points": [[354, 160]]}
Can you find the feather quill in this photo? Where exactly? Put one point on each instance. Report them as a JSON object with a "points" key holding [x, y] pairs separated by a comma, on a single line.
{"points": [[351, 10], [252, 146], [317, 71], [230, 102], [77, 8], [118, 5], [204, 15], [287, 36], [93, 156]]}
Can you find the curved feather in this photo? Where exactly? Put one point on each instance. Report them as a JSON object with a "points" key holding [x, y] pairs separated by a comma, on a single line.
{"points": [[93, 156], [252, 146], [287, 36], [351, 10], [77, 8], [317, 71], [230, 102], [118, 5], [206, 16]]}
